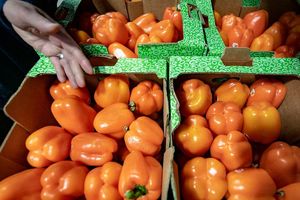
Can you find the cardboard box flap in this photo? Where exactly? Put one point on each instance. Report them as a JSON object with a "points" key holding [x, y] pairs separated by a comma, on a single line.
{"points": [[167, 170], [236, 57], [13, 147], [30, 106], [134, 9], [158, 6], [8, 167]]}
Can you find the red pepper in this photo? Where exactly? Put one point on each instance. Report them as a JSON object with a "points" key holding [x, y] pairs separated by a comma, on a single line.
{"points": [[240, 36], [257, 21]]}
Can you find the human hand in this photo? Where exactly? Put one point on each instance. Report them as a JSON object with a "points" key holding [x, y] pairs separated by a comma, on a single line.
{"points": [[45, 35]]}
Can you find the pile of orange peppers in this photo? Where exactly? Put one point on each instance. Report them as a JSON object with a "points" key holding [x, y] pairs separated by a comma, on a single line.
{"points": [[217, 142], [253, 32], [106, 147], [122, 37]]}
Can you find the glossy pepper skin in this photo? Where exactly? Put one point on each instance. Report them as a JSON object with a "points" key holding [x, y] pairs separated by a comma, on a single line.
{"points": [[233, 91], [175, 16], [101, 183], [145, 22], [59, 90], [257, 21], [47, 145], [117, 15], [73, 114], [218, 19], [108, 30], [141, 177], [134, 30], [193, 137], [270, 90], [289, 192], [112, 89], [114, 120], [63, 180], [144, 39], [287, 18], [250, 183], [278, 32], [24, 185], [144, 135], [194, 97], [240, 36], [284, 51], [261, 122], [282, 162], [230, 21], [203, 179], [120, 51], [79, 36], [93, 149], [147, 97], [165, 30], [264, 42], [233, 150], [224, 117]]}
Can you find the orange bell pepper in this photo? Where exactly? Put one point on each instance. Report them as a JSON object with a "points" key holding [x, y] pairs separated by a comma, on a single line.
{"points": [[93, 149], [278, 32], [264, 42], [114, 120], [261, 122], [108, 30], [141, 177], [117, 15], [233, 150], [250, 183], [287, 18], [257, 21], [218, 19], [60, 90], [101, 183], [203, 178], [175, 16], [131, 43], [73, 114], [24, 185], [93, 18], [63, 180], [165, 30], [289, 192], [224, 37], [47, 145], [147, 97], [282, 162], [144, 135], [146, 22], [92, 41], [224, 117], [233, 91], [112, 89], [120, 51], [240, 36], [230, 21], [194, 97], [293, 40], [79, 36], [270, 90], [134, 30], [193, 137], [144, 39], [284, 51]]}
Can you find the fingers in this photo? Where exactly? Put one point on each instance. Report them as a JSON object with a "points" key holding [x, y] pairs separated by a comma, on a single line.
{"points": [[67, 69], [59, 69]]}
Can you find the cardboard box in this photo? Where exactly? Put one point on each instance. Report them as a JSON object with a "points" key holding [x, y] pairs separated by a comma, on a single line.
{"points": [[240, 8], [212, 71], [193, 43], [158, 6], [29, 107]]}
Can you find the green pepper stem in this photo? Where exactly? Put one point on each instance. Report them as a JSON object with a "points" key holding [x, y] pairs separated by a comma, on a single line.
{"points": [[280, 193], [136, 192], [132, 106]]}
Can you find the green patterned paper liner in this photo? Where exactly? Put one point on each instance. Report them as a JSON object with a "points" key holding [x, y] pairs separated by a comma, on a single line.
{"points": [[251, 3], [214, 65]]}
